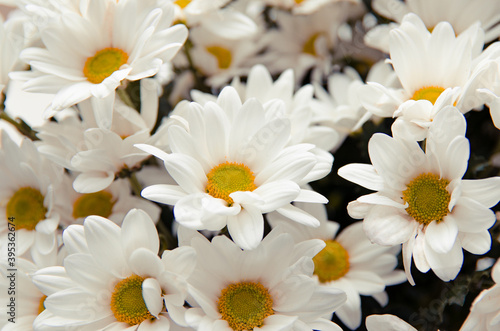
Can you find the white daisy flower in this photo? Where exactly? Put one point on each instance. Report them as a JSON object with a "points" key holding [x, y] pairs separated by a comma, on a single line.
{"points": [[422, 200], [307, 6], [268, 288], [340, 107], [485, 310], [98, 155], [461, 14], [349, 261], [299, 104], [218, 17], [29, 187], [131, 50], [231, 166], [112, 203], [431, 74], [113, 278], [220, 59]]}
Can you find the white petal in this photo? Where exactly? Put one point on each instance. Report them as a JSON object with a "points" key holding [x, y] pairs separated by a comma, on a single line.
{"points": [[164, 193], [362, 174], [138, 230], [476, 243], [298, 215], [486, 191], [151, 292], [276, 194], [387, 323], [246, 228], [441, 236], [471, 216], [93, 181], [388, 226], [445, 266]]}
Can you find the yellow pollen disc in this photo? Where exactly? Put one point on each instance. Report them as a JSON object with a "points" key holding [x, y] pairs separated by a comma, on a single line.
{"points": [[98, 203], [427, 198], [223, 56], [299, 1], [41, 305], [103, 64], [227, 178], [332, 262], [430, 93], [308, 47], [182, 3], [127, 302], [245, 305], [26, 206]]}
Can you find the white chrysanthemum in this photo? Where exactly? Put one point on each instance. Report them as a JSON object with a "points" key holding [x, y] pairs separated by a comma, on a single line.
{"points": [[387, 322], [435, 69], [422, 200], [299, 105], [89, 56], [340, 108], [220, 59], [461, 14], [112, 203], [268, 288], [231, 166], [114, 279], [29, 187], [98, 155], [216, 16], [349, 261], [485, 310]]}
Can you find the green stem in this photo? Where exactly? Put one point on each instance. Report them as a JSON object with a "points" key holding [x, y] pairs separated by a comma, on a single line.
{"points": [[134, 183], [20, 125], [197, 77]]}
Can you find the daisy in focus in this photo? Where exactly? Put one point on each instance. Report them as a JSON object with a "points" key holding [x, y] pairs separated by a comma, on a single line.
{"points": [[435, 69], [89, 56], [422, 200], [485, 310], [232, 165], [349, 261], [29, 186], [113, 278], [268, 288]]}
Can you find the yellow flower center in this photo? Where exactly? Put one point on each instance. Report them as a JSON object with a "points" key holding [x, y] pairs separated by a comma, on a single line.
{"points": [[182, 3], [127, 302], [332, 262], [427, 198], [98, 203], [227, 178], [223, 56], [430, 93], [26, 206], [103, 64], [309, 47], [245, 305], [41, 305], [298, 2]]}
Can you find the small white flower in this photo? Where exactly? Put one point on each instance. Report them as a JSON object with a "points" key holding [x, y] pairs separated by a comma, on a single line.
{"points": [[29, 188], [232, 165], [485, 309], [113, 278], [89, 56], [268, 288], [349, 261], [422, 200]]}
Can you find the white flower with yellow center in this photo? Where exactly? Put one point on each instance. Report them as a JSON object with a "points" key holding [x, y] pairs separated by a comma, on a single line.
{"points": [[114, 279], [485, 309], [461, 14], [98, 155], [305, 42], [349, 261], [431, 73], [112, 203], [268, 288], [101, 49], [422, 200], [29, 188], [232, 165]]}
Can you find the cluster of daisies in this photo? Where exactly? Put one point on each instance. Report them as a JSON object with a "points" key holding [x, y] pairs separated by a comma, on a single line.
{"points": [[171, 185]]}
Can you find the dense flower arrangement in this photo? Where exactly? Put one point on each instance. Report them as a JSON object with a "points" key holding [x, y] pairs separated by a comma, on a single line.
{"points": [[183, 177]]}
